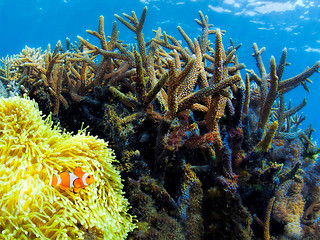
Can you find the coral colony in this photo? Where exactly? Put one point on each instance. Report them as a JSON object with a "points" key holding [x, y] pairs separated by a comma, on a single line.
{"points": [[203, 152]]}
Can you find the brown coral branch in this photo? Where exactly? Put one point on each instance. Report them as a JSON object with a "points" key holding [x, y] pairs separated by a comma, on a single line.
{"points": [[127, 53], [282, 63], [176, 46], [233, 69], [280, 113], [188, 83], [174, 84], [125, 57], [114, 37], [294, 110], [247, 96], [83, 58], [204, 23], [100, 34], [205, 92], [265, 143], [291, 83], [150, 69], [177, 61], [140, 83], [230, 57], [219, 58], [218, 102], [254, 77], [136, 27], [124, 99], [157, 88], [122, 72], [187, 39], [87, 44], [272, 94], [266, 223], [305, 87], [257, 55]]}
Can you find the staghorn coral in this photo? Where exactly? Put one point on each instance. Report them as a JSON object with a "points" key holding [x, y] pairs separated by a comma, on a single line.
{"points": [[44, 68], [265, 143], [31, 151], [9, 77], [272, 85]]}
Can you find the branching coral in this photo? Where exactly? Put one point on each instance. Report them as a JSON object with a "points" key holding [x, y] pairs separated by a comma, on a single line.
{"points": [[201, 153], [272, 85], [31, 151], [9, 77]]}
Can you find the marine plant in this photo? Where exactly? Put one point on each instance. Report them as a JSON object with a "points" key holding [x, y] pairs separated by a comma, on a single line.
{"points": [[32, 150]]}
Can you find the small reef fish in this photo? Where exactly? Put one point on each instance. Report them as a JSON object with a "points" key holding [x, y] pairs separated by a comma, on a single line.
{"points": [[78, 180]]}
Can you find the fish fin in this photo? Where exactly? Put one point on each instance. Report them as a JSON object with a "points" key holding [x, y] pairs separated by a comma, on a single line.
{"points": [[78, 172], [65, 181], [63, 187], [77, 183], [76, 190], [54, 180]]}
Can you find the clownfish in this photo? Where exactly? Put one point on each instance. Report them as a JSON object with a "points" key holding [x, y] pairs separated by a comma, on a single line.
{"points": [[78, 180]]}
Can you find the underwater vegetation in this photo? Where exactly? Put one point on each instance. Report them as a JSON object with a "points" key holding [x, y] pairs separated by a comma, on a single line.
{"points": [[32, 150], [203, 152]]}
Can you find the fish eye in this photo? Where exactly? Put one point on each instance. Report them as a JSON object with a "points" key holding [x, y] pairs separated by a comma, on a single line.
{"points": [[89, 176]]}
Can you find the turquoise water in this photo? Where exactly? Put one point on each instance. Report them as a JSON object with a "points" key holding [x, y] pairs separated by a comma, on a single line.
{"points": [[273, 24]]}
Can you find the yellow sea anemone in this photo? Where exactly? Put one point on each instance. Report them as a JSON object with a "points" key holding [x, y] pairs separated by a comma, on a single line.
{"points": [[31, 151]]}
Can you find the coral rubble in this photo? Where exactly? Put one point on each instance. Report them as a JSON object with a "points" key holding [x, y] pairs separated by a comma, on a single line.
{"points": [[203, 153]]}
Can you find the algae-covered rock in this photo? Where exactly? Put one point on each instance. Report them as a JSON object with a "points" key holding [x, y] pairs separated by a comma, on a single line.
{"points": [[31, 151]]}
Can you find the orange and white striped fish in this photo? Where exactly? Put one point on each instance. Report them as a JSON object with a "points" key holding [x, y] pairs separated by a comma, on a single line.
{"points": [[78, 179]]}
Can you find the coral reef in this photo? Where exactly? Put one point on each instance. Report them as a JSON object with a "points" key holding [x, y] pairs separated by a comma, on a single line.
{"points": [[203, 153], [288, 208], [32, 150]]}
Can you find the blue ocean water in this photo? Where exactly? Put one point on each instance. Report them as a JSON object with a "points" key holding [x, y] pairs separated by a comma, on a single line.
{"points": [[293, 24]]}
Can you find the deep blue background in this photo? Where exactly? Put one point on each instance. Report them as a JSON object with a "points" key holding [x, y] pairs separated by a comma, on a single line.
{"points": [[273, 24]]}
